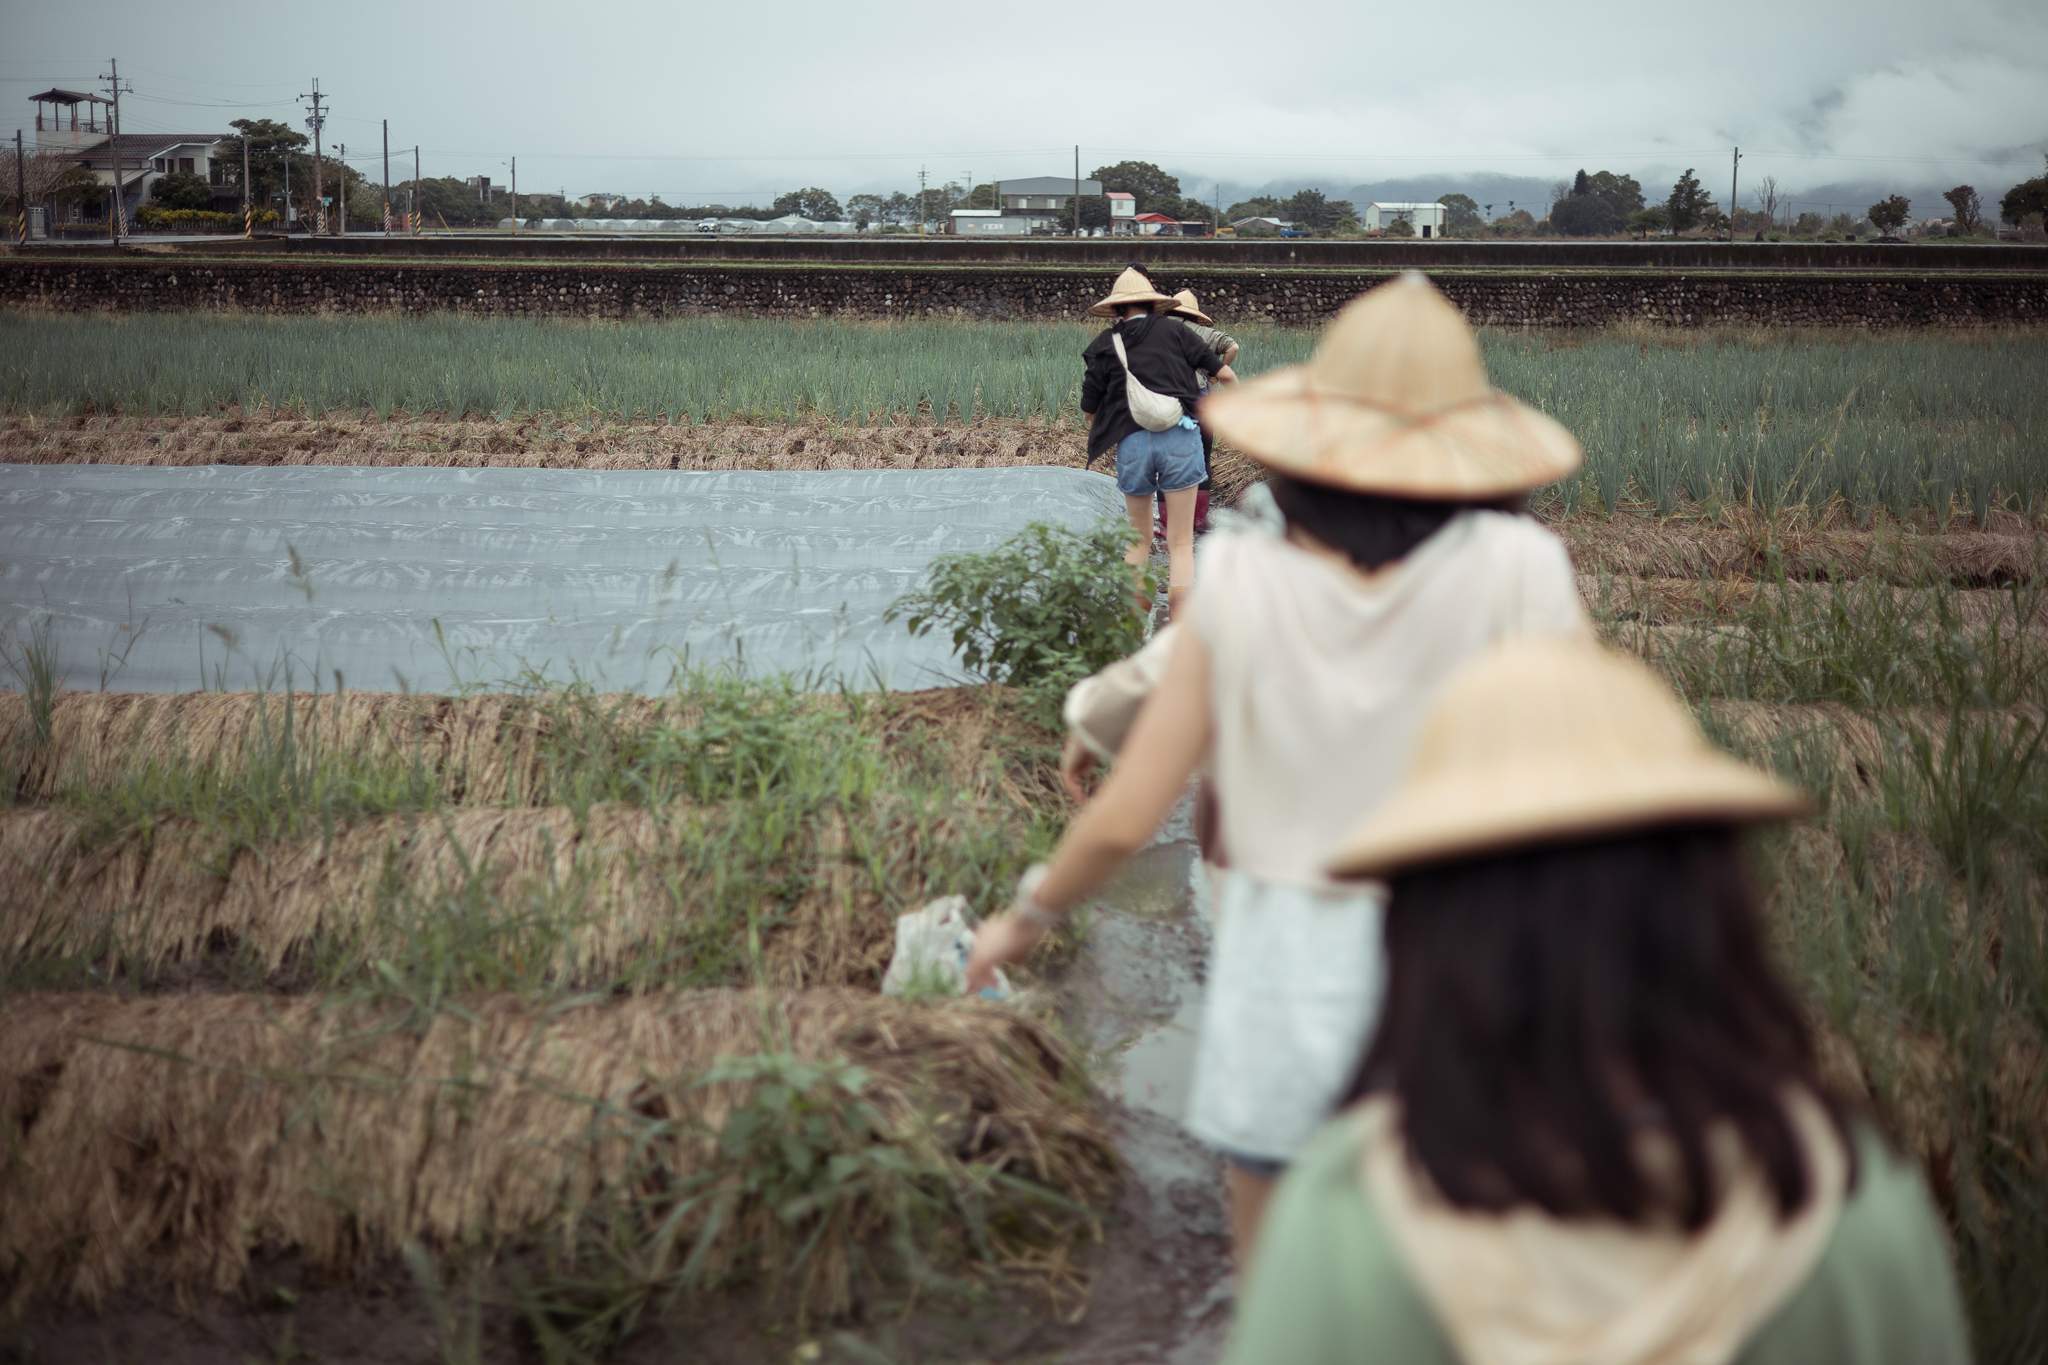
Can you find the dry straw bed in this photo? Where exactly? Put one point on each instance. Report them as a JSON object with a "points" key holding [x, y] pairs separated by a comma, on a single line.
{"points": [[726, 837], [485, 749], [615, 896], [162, 1140]]}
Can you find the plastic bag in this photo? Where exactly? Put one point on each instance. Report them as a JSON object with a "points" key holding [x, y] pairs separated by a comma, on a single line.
{"points": [[932, 948]]}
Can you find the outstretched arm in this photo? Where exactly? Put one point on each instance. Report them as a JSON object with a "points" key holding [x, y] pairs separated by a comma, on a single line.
{"points": [[1170, 736]]}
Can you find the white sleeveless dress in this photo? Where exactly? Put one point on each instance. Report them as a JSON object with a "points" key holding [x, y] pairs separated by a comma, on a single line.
{"points": [[1318, 683]]}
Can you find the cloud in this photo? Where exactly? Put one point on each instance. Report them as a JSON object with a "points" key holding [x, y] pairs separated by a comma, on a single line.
{"points": [[716, 101]]}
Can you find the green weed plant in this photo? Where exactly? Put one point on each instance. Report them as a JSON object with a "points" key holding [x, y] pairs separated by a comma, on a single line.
{"points": [[1041, 611], [1913, 908]]}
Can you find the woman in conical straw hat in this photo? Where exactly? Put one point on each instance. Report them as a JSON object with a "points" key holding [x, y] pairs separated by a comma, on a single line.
{"points": [[1188, 309], [1166, 358], [1300, 675], [1591, 1126]]}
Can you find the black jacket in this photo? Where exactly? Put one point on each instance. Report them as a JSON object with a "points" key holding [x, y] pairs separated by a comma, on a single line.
{"points": [[1164, 355]]}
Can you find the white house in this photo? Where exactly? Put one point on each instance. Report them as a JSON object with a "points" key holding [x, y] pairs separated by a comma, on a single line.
{"points": [[1428, 220], [138, 159], [1123, 213]]}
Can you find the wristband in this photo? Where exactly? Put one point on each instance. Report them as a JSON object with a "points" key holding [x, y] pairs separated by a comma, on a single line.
{"points": [[1025, 903]]}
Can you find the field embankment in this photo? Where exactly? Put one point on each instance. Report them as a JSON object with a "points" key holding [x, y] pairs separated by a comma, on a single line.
{"points": [[171, 1137]]}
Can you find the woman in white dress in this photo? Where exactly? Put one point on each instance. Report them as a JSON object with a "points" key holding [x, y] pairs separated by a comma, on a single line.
{"points": [[1305, 668]]}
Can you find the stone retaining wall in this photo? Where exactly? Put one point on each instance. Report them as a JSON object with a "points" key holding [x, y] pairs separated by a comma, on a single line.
{"points": [[1505, 299]]}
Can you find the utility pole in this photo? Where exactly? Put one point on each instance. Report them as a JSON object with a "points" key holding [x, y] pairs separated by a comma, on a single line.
{"points": [[20, 190], [387, 177], [116, 210], [248, 193], [920, 201], [319, 195], [341, 191], [413, 195], [515, 194], [1077, 189], [1734, 174]]}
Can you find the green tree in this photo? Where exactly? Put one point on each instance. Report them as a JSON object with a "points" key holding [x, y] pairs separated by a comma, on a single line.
{"points": [[1687, 207], [1579, 215], [1154, 189], [272, 147], [1620, 194], [1598, 204], [1400, 227], [866, 210], [1463, 217], [1647, 221], [2027, 197], [439, 199], [812, 203], [1887, 215], [1969, 209], [1258, 206], [1808, 225], [182, 190], [1314, 211]]}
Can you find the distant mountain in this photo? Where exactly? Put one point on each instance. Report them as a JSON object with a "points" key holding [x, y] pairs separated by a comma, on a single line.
{"points": [[1527, 191]]}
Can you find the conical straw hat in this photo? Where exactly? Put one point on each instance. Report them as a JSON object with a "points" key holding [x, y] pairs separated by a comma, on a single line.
{"points": [[1550, 739], [1131, 287], [1395, 401], [1184, 306]]}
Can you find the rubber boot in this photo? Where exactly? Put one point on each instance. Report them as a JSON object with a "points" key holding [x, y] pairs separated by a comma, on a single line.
{"points": [[1201, 511]]}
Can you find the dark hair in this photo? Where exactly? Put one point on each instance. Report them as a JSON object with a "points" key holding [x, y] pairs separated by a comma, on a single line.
{"points": [[1367, 528], [1546, 1004]]}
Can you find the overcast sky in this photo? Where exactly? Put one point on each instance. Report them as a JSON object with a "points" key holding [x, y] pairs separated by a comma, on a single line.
{"points": [[737, 101]]}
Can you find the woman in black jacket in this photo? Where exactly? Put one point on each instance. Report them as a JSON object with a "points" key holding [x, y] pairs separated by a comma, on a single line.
{"points": [[1164, 356]]}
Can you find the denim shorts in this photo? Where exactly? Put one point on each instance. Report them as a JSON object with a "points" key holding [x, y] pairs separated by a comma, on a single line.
{"points": [[1152, 462]]}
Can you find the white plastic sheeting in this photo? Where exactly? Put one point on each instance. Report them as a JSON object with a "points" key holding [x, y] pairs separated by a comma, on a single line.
{"points": [[144, 579]]}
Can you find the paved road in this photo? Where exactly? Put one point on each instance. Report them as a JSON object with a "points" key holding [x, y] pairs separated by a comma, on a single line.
{"points": [[164, 580]]}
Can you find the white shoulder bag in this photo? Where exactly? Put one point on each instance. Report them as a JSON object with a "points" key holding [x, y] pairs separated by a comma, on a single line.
{"points": [[1152, 411]]}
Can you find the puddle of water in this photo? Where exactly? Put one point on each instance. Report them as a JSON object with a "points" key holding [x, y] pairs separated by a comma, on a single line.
{"points": [[1157, 1071], [1150, 950]]}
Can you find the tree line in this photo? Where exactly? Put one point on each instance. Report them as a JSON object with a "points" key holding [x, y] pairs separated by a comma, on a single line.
{"points": [[1596, 204]]}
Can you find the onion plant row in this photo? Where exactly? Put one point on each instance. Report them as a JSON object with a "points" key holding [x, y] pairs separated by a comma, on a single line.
{"points": [[1944, 421]]}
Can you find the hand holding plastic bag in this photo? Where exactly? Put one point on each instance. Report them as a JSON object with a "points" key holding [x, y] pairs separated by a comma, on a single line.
{"points": [[932, 948]]}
